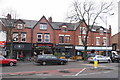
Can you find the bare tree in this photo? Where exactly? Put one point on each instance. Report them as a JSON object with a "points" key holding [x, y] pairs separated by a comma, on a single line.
{"points": [[89, 12], [9, 25]]}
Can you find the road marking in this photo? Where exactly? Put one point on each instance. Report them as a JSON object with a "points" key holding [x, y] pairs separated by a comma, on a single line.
{"points": [[80, 72], [96, 73]]}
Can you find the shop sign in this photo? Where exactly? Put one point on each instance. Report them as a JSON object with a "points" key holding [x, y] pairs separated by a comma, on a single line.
{"points": [[68, 47]]}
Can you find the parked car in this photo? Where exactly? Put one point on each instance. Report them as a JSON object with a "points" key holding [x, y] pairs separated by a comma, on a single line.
{"points": [[5, 61], [115, 57], [49, 59], [99, 58]]}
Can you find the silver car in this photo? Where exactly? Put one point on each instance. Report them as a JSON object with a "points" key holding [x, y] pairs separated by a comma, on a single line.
{"points": [[99, 58]]}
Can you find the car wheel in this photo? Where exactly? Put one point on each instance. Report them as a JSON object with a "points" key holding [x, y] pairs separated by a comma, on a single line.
{"points": [[11, 63], [108, 61], [118, 61], [44, 63], [62, 63]]}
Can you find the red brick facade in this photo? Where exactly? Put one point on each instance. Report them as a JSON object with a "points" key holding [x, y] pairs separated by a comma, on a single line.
{"points": [[56, 29]]}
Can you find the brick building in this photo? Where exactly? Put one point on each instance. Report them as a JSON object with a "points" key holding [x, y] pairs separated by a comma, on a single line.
{"points": [[47, 37], [21, 34], [116, 42]]}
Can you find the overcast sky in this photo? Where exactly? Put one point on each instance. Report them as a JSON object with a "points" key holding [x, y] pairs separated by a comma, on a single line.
{"points": [[57, 9]]}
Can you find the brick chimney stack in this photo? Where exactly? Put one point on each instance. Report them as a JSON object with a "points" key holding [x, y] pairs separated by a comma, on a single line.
{"points": [[50, 19], [8, 16]]}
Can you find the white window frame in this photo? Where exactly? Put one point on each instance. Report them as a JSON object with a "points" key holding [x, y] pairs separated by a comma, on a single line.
{"points": [[59, 38], [97, 43], [104, 42], [23, 37], [101, 31], [19, 26], [66, 38], [46, 38], [39, 38], [15, 36], [63, 29], [80, 40], [43, 26], [83, 29]]}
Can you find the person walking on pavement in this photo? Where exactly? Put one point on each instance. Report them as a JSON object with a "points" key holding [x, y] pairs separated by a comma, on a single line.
{"points": [[21, 57]]}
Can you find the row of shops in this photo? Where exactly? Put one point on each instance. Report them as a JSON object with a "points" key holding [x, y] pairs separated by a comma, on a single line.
{"points": [[28, 49]]}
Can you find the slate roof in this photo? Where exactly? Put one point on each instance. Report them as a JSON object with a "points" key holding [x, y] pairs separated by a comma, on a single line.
{"points": [[54, 25], [28, 23], [71, 26]]}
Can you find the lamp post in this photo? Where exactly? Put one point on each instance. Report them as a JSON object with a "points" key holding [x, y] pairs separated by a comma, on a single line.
{"points": [[107, 35]]}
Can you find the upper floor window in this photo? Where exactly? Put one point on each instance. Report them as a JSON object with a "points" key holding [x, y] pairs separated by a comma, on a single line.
{"points": [[104, 41], [67, 38], [61, 38], [47, 38], [80, 40], [82, 30], [15, 37], [101, 31], [63, 28], [19, 26], [43, 26], [23, 37], [97, 40], [39, 37]]}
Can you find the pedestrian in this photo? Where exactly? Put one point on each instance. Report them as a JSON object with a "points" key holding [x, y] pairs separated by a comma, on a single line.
{"points": [[21, 57]]}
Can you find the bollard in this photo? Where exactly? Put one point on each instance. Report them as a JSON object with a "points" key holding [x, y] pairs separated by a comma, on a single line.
{"points": [[95, 63]]}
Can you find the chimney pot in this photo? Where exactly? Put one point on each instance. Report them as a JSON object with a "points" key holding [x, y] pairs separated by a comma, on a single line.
{"points": [[50, 19], [8, 16]]}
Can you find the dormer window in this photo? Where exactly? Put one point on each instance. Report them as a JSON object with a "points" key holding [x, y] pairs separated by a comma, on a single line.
{"points": [[19, 26], [101, 31], [64, 29]]}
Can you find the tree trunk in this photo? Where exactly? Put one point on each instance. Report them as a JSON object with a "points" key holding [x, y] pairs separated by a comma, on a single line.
{"points": [[85, 53], [11, 51]]}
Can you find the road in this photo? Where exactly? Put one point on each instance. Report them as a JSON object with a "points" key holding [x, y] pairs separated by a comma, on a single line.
{"points": [[77, 69]]}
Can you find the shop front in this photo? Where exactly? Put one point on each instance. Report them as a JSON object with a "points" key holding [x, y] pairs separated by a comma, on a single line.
{"points": [[43, 48], [24, 49], [64, 50], [99, 50]]}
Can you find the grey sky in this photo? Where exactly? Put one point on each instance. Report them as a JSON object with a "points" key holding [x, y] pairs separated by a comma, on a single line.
{"points": [[57, 9]]}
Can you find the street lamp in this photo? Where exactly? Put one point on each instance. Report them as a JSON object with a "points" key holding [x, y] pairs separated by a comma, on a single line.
{"points": [[107, 36]]}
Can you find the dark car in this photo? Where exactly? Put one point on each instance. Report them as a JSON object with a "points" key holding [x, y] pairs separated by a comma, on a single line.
{"points": [[5, 61], [115, 57], [49, 59]]}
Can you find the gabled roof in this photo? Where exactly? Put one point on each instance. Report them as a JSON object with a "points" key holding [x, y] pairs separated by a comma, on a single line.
{"points": [[71, 26], [28, 23]]}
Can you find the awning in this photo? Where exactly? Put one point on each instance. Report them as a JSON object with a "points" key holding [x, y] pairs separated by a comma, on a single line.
{"points": [[95, 48]]}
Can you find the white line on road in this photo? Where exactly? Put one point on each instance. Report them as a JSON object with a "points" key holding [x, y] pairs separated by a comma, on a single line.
{"points": [[80, 72]]}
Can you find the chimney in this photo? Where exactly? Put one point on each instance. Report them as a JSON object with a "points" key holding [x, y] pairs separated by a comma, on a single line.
{"points": [[50, 19], [8, 16]]}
